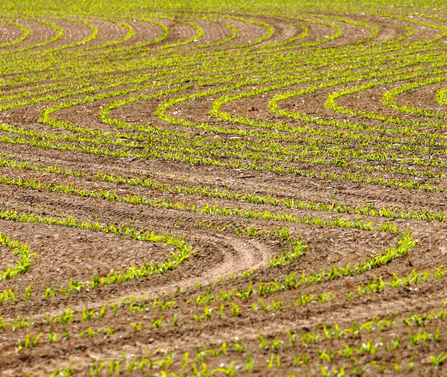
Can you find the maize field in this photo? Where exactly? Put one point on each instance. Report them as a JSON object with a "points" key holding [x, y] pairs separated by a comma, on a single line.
{"points": [[223, 188]]}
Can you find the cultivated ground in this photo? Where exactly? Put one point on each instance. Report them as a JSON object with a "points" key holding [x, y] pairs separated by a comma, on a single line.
{"points": [[223, 193]]}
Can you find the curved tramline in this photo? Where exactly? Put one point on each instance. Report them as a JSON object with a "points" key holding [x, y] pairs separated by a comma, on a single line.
{"points": [[202, 190]]}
